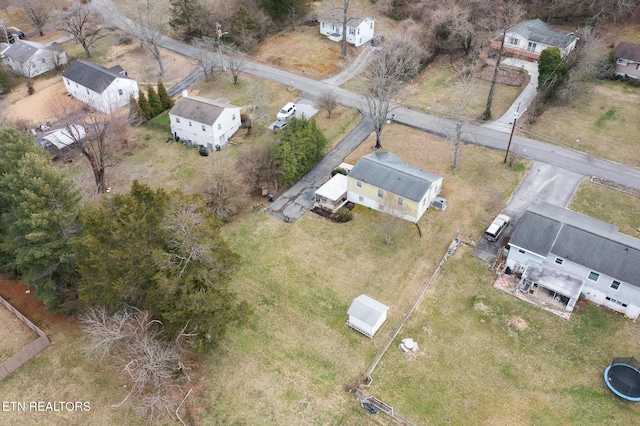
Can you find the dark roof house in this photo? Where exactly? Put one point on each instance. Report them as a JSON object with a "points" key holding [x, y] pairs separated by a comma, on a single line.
{"points": [[628, 59], [94, 76]]}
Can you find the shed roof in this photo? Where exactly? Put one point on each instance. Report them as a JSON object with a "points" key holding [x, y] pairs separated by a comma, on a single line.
{"points": [[547, 229], [367, 310], [94, 76], [199, 109], [62, 138], [540, 32], [387, 171], [336, 15], [628, 51], [335, 188]]}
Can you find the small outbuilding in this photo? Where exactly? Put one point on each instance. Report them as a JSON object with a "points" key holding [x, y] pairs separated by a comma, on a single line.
{"points": [[333, 194], [366, 315]]}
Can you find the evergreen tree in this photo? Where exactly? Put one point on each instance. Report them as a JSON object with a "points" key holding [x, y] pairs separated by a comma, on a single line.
{"points": [[245, 30], [552, 71], [38, 220], [285, 11], [160, 252], [300, 147], [165, 99], [143, 103], [189, 17], [136, 115], [155, 106]]}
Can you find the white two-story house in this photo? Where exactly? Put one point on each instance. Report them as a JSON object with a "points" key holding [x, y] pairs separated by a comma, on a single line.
{"points": [[104, 89], [201, 121], [359, 30], [567, 254], [529, 38]]}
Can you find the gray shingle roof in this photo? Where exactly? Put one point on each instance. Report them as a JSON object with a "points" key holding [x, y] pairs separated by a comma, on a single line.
{"points": [[628, 51], [21, 50], [93, 76], [199, 109], [539, 32], [367, 310], [547, 229], [388, 172]]}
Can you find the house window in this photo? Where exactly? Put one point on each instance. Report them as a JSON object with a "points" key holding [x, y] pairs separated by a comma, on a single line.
{"points": [[361, 199], [615, 284], [87, 91], [233, 117], [621, 61], [203, 128], [189, 124], [219, 126], [177, 119], [352, 31], [380, 193], [424, 201], [514, 41], [358, 31], [76, 84], [371, 25], [638, 67], [521, 251], [559, 261], [593, 276], [359, 183], [400, 201], [120, 92], [531, 47]]}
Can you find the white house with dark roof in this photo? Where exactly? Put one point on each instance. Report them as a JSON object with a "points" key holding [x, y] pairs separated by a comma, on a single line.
{"points": [[31, 59], [628, 59], [366, 315], [204, 122], [382, 181], [104, 89], [359, 30], [566, 254], [529, 38]]}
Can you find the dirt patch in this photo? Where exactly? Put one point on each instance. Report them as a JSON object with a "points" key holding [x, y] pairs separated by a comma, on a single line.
{"points": [[518, 324], [508, 76], [479, 306], [37, 108]]}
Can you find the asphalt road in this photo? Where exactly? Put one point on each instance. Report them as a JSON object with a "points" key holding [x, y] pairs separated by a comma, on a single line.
{"points": [[485, 136]]}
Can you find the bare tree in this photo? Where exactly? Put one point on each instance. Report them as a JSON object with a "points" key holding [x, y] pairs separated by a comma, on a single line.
{"points": [[147, 26], [84, 25], [328, 101], [340, 8], [102, 136], [38, 13], [132, 341], [206, 56], [465, 73], [258, 166], [509, 13], [222, 189], [257, 108], [384, 75], [390, 219], [29, 69], [236, 61]]}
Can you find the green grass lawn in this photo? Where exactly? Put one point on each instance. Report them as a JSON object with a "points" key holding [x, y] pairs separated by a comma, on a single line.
{"points": [[602, 122]]}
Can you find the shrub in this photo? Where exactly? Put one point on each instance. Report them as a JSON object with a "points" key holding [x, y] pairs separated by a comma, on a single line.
{"points": [[343, 215], [338, 170]]}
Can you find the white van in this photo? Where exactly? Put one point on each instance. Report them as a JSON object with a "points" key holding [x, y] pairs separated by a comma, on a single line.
{"points": [[287, 111], [497, 226]]}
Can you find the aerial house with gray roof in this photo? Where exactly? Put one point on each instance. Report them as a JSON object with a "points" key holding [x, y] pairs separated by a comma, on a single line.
{"points": [[31, 59], [104, 89], [204, 122], [529, 38], [382, 181], [565, 254]]}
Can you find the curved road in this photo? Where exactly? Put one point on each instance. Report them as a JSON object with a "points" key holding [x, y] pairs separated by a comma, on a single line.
{"points": [[485, 136]]}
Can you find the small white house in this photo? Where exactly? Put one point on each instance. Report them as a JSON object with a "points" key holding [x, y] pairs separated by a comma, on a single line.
{"points": [[529, 38], [333, 194], [59, 141], [201, 121], [31, 59], [366, 315], [359, 30], [104, 89]]}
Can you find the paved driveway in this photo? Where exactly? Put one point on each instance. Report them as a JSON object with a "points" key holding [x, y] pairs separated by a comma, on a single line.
{"points": [[545, 182]]}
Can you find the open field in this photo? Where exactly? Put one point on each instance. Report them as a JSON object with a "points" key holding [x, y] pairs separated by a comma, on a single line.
{"points": [[608, 205], [14, 334]]}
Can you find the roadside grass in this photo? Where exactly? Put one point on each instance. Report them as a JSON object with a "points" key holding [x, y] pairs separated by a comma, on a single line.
{"points": [[14, 334], [608, 205], [600, 122], [296, 355], [472, 368]]}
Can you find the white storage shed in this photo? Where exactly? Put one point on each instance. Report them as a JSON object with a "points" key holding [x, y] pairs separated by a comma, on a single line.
{"points": [[366, 315]]}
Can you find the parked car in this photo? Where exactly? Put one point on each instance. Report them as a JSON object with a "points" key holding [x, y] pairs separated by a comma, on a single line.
{"points": [[497, 226], [286, 112], [280, 124], [14, 34]]}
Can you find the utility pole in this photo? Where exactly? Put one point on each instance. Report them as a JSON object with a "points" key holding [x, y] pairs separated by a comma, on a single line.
{"points": [[219, 35], [516, 115]]}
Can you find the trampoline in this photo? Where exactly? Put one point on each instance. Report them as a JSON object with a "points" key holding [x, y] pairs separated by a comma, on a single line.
{"points": [[622, 377]]}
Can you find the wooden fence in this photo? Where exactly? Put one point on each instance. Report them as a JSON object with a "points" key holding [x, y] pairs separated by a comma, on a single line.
{"points": [[29, 351]]}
